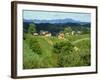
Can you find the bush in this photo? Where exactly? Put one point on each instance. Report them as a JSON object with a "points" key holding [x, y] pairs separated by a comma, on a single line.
{"points": [[34, 45], [85, 50], [66, 54], [86, 58], [63, 47]]}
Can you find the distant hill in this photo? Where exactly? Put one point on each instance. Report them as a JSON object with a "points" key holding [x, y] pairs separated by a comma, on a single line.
{"points": [[54, 21], [55, 26]]}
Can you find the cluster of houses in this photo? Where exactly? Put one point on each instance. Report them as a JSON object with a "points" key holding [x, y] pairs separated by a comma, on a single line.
{"points": [[60, 35], [43, 33]]}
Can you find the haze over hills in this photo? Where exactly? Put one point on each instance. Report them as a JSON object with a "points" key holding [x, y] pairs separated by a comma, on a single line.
{"points": [[55, 21]]}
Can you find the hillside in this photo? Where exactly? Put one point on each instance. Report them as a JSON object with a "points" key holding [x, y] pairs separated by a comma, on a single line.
{"points": [[48, 58]]}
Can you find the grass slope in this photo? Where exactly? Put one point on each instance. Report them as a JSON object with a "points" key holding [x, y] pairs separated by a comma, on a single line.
{"points": [[48, 58]]}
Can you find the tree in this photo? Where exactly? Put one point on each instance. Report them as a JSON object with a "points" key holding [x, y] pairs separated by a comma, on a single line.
{"points": [[32, 28], [85, 30], [68, 30]]}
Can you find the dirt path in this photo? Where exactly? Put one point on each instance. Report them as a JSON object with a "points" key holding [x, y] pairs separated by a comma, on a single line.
{"points": [[49, 41], [79, 40]]}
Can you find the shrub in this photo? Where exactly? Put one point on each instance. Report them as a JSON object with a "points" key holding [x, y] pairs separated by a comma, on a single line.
{"points": [[86, 58], [34, 45], [65, 52], [63, 47]]}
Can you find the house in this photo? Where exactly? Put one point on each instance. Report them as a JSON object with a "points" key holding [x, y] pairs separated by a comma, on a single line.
{"points": [[45, 33], [35, 34], [42, 33], [61, 36], [70, 33], [73, 32]]}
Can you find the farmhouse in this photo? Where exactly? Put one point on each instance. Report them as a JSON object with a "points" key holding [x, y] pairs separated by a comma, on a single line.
{"points": [[35, 34], [61, 36], [45, 33], [48, 34], [73, 32]]}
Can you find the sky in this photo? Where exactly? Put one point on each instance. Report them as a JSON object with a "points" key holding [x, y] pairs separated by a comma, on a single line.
{"points": [[49, 15]]}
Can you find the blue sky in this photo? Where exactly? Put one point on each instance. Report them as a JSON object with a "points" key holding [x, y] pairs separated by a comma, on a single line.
{"points": [[47, 15]]}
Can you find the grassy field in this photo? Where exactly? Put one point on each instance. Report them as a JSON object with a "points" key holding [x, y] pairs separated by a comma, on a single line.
{"points": [[48, 52]]}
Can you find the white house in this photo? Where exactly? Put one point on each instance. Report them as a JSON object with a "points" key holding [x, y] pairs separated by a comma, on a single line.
{"points": [[45, 33], [73, 32], [35, 34], [48, 34]]}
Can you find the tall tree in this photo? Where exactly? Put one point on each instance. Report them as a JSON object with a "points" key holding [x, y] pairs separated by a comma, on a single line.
{"points": [[32, 28]]}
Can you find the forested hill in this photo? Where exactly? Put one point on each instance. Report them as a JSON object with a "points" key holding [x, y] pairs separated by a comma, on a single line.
{"points": [[56, 27]]}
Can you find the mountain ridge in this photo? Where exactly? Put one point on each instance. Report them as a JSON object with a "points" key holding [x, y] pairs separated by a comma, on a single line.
{"points": [[54, 21]]}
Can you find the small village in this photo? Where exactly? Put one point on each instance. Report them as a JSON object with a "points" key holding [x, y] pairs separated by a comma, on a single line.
{"points": [[60, 35]]}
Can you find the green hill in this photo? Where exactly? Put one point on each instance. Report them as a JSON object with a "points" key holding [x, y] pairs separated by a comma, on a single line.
{"points": [[39, 51]]}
